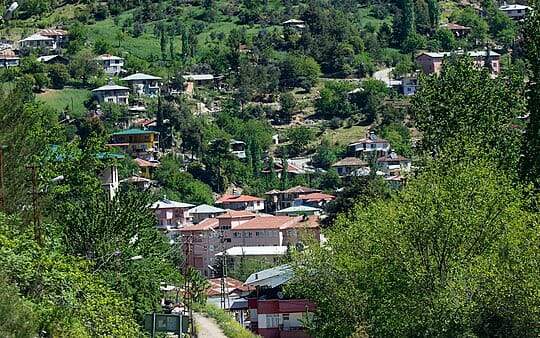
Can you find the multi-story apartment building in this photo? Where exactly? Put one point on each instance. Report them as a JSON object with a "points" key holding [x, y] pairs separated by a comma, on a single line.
{"points": [[241, 229]]}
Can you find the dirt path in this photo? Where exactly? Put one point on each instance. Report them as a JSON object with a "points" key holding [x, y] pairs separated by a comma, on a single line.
{"points": [[207, 327]]}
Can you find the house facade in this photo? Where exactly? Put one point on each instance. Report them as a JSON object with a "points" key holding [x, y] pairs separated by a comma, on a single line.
{"points": [[272, 314], [394, 165], [200, 80], [281, 199], [315, 200], [350, 166], [431, 63], [241, 229], [60, 37], [371, 145], [112, 93], [7, 61], [137, 142], [515, 11], [171, 214], [204, 211], [458, 30], [111, 64], [146, 168], [144, 84], [37, 41], [241, 202]]}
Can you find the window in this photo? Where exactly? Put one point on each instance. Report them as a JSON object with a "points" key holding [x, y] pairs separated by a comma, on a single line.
{"points": [[285, 316], [272, 321], [270, 233], [237, 234], [227, 240], [259, 233], [248, 234]]}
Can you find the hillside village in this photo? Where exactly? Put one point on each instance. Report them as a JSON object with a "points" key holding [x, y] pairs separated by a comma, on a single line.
{"points": [[292, 163]]}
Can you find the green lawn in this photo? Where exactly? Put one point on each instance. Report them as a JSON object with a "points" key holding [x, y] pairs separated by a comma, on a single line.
{"points": [[59, 99]]}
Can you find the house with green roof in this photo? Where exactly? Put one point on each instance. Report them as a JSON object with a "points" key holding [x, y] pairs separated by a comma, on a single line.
{"points": [[137, 143]]}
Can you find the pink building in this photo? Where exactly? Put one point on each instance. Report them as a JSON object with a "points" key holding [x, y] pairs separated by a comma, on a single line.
{"points": [[241, 202], [240, 229], [171, 214], [432, 62]]}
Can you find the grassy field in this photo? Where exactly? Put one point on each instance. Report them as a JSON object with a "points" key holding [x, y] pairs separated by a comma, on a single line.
{"points": [[347, 135], [59, 99]]}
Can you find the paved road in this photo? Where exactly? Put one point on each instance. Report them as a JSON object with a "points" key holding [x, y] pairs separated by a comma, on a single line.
{"points": [[208, 327], [383, 75]]}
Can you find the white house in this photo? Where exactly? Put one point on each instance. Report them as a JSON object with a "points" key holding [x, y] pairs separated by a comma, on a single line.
{"points": [[59, 36], [37, 41], [394, 165], [112, 93], [204, 211], [515, 11], [372, 144], [111, 64], [143, 84], [7, 61], [353, 166], [199, 80]]}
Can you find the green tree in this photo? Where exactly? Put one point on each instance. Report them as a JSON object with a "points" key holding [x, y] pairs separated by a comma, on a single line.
{"points": [[59, 75], [487, 107], [83, 66], [443, 257], [299, 71], [288, 106], [300, 138], [17, 319], [530, 166], [334, 99]]}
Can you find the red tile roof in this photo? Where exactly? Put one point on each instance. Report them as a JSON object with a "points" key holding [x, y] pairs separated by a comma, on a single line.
{"points": [[389, 158], [230, 198], [279, 222], [316, 196], [231, 285], [454, 26], [236, 214], [53, 32], [294, 190], [275, 222], [143, 163], [311, 221], [207, 224], [291, 168], [350, 161]]}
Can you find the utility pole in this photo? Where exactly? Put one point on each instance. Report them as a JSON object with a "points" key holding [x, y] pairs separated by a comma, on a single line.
{"points": [[224, 289], [3, 197], [187, 283], [35, 204]]}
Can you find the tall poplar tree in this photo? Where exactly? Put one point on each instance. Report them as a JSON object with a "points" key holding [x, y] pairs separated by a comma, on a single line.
{"points": [[531, 143]]}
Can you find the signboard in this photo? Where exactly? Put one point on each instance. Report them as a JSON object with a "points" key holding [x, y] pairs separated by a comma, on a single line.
{"points": [[162, 322]]}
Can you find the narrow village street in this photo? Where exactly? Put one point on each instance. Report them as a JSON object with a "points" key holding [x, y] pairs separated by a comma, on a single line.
{"points": [[207, 327]]}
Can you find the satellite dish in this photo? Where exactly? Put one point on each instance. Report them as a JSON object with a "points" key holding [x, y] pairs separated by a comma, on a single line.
{"points": [[280, 295]]}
